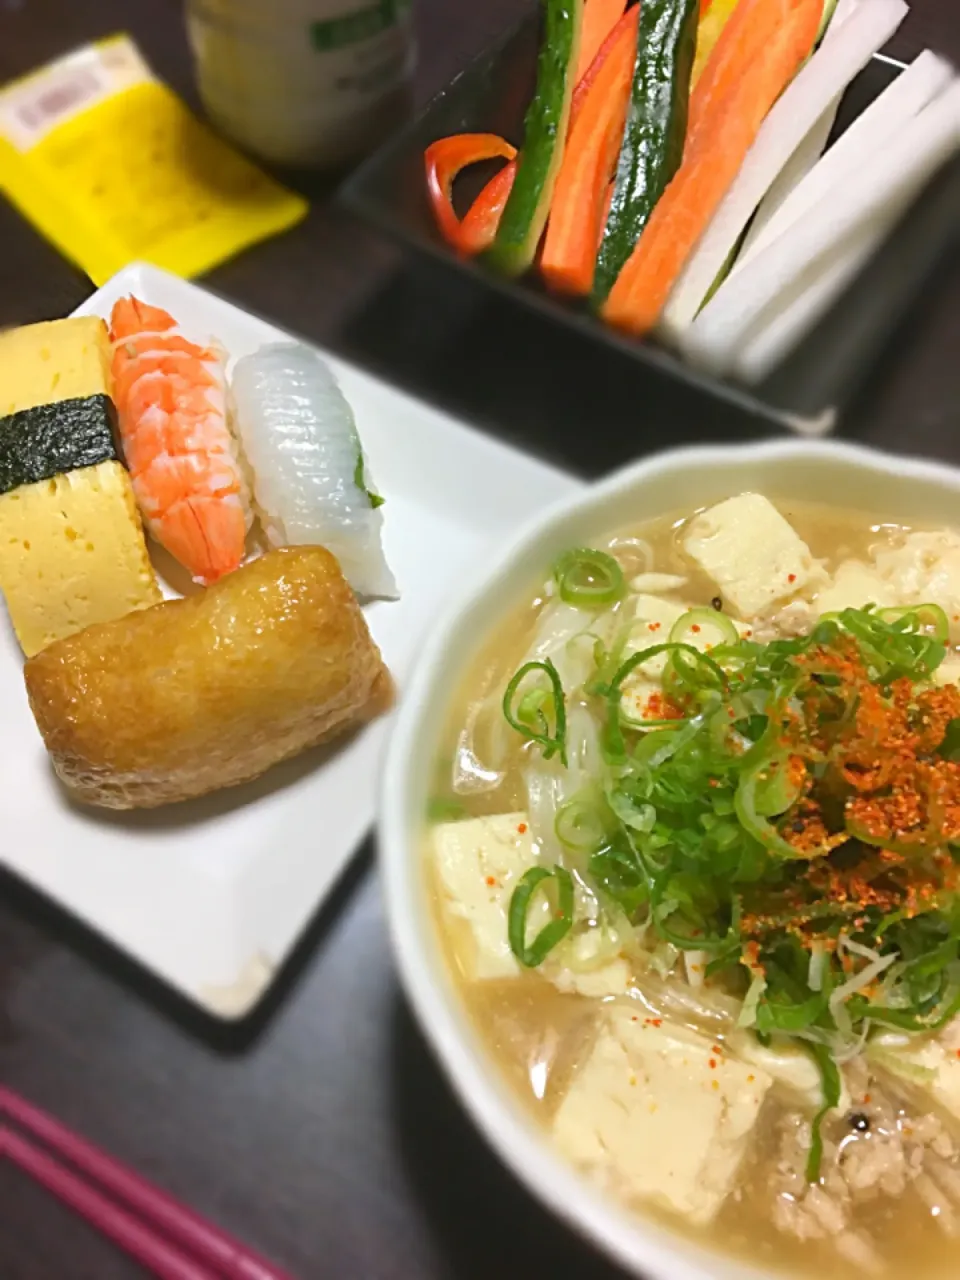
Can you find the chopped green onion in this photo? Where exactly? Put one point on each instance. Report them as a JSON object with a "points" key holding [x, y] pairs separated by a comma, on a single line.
{"points": [[632, 811], [551, 934], [445, 809], [589, 579], [950, 746], [831, 1085], [613, 734], [580, 827], [704, 623], [777, 791], [536, 708], [745, 803], [929, 618]]}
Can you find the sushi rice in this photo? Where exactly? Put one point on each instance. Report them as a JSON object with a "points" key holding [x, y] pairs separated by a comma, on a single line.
{"points": [[311, 483]]}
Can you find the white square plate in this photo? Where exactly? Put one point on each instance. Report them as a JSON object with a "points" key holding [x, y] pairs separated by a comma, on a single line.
{"points": [[211, 895]]}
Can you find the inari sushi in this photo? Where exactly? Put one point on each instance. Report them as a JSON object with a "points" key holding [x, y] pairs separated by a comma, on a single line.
{"points": [[210, 691], [171, 398], [311, 484]]}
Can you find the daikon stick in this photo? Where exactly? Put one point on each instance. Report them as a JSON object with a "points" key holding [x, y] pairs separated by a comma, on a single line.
{"points": [[820, 81], [876, 192], [925, 78], [792, 317], [810, 149]]}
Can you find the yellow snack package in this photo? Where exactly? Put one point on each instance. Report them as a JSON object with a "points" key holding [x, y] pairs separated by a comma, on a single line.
{"points": [[110, 165]]}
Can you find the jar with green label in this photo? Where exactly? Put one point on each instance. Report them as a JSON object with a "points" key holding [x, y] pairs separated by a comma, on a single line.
{"points": [[303, 82]]}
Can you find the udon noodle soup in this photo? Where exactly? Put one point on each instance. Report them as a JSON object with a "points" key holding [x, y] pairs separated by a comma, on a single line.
{"points": [[694, 848]]}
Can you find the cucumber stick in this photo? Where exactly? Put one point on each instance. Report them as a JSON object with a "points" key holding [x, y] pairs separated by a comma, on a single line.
{"points": [[655, 131], [544, 137]]}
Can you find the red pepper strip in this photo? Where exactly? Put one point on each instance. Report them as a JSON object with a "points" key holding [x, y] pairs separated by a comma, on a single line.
{"points": [[445, 159], [479, 226], [593, 144]]}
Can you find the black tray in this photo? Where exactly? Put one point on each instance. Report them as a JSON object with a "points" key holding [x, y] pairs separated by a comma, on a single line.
{"points": [[820, 377]]}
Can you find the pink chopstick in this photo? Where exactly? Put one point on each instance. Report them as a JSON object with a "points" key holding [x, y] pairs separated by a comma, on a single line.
{"points": [[132, 1235], [185, 1230]]}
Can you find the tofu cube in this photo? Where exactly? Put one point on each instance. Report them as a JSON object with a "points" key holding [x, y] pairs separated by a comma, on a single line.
{"points": [[795, 1075], [752, 554], [948, 671], [925, 569], [479, 861], [657, 1115], [939, 1055], [590, 976], [854, 585], [653, 621]]}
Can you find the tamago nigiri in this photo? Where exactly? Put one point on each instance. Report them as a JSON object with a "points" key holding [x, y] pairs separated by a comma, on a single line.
{"points": [[171, 398], [311, 482]]}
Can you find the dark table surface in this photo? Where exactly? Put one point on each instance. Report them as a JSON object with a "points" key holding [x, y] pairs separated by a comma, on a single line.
{"points": [[322, 1132]]}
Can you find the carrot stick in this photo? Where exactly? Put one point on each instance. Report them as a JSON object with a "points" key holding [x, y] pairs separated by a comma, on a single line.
{"points": [[579, 199], [479, 226], [599, 19], [758, 54], [742, 42], [713, 18]]}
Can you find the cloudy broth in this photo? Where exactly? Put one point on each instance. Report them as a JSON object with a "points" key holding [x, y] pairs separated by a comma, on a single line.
{"points": [[539, 1036]]}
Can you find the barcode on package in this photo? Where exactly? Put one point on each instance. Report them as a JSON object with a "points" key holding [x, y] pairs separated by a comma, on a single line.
{"points": [[34, 106]]}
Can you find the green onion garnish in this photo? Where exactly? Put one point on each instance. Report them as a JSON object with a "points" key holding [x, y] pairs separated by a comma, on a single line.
{"points": [[707, 624], [580, 827], [831, 1084], [445, 809], [551, 934], [539, 714], [589, 579], [929, 618], [761, 826]]}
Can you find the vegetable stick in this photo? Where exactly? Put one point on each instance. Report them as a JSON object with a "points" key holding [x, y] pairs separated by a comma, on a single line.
{"points": [[793, 316], [807, 153], [713, 18], [745, 35], [655, 133], [545, 127], [479, 226], [599, 19], [824, 77], [580, 196], [800, 164], [880, 191], [926, 77], [759, 52], [443, 161]]}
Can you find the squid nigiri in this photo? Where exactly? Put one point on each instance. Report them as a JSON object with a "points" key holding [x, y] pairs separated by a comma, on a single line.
{"points": [[311, 481], [171, 399]]}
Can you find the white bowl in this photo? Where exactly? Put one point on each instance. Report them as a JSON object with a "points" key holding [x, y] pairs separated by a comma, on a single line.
{"points": [[892, 488]]}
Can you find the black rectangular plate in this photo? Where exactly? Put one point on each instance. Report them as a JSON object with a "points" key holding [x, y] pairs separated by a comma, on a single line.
{"points": [[813, 385]]}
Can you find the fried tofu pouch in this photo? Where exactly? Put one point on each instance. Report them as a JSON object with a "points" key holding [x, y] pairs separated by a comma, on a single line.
{"points": [[206, 692]]}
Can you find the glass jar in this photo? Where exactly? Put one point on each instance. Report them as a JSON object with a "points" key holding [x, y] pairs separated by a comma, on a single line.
{"points": [[310, 83]]}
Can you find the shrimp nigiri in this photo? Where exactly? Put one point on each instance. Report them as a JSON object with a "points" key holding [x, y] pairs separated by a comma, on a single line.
{"points": [[171, 399]]}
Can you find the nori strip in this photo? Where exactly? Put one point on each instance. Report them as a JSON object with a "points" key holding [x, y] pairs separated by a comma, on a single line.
{"points": [[54, 439]]}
